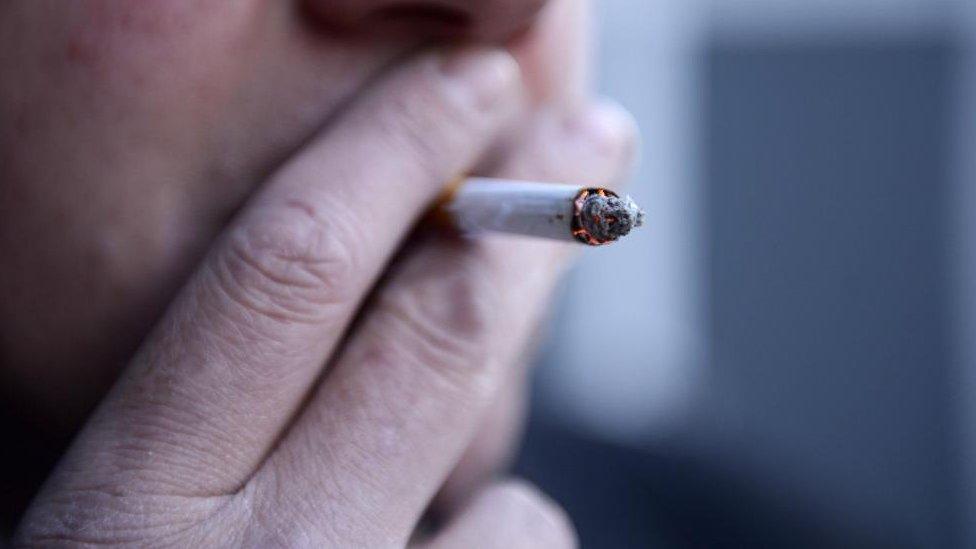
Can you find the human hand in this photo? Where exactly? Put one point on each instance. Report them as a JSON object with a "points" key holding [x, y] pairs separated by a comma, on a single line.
{"points": [[134, 130], [258, 413], [137, 129]]}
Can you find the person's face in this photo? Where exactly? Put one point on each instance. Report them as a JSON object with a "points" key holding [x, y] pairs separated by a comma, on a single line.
{"points": [[130, 131]]}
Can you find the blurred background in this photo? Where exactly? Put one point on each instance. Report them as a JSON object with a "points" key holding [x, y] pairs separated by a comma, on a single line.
{"points": [[799, 368]]}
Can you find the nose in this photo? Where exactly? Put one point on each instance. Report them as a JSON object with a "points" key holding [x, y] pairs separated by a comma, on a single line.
{"points": [[475, 19]]}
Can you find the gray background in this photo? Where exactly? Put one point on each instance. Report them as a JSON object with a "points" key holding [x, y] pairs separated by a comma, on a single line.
{"points": [[799, 370]]}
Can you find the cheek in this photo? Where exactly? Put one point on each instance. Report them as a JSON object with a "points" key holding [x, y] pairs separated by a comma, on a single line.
{"points": [[132, 48], [139, 126]]}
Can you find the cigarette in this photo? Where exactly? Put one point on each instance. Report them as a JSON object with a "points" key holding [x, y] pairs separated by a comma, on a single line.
{"points": [[590, 215]]}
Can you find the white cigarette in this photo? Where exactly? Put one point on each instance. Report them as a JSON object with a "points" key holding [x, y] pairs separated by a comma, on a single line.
{"points": [[591, 215]]}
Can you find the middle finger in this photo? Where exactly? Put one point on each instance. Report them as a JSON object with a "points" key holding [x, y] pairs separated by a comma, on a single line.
{"points": [[232, 359], [441, 338]]}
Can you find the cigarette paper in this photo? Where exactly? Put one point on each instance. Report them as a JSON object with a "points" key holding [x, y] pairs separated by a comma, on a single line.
{"points": [[590, 215]]}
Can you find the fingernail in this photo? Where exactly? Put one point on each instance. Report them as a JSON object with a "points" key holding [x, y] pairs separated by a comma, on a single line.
{"points": [[486, 72], [607, 126], [608, 130]]}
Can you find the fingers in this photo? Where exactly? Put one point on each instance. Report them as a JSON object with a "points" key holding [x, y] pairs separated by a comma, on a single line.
{"points": [[231, 361], [595, 147], [409, 390], [507, 515], [494, 444], [554, 57]]}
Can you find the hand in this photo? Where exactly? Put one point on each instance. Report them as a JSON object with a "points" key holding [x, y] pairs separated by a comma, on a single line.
{"points": [[227, 428], [136, 130], [139, 128]]}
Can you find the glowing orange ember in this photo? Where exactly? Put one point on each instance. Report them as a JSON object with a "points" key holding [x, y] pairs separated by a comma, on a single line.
{"points": [[579, 231]]}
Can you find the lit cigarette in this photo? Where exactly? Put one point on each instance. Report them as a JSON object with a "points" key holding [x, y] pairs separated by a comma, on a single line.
{"points": [[591, 215]]}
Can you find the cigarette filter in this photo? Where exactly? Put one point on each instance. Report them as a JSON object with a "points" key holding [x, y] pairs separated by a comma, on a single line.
{"points": [[590, 215]]}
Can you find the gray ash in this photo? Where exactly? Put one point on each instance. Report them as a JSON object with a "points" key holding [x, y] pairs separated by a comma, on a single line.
{"points": [[608, 218]]}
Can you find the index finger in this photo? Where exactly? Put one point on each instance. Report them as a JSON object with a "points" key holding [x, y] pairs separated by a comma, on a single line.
{"points": [[231, 361]]}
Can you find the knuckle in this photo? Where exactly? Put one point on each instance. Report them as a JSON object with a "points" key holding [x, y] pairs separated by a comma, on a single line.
{"points": [[269, 529], [448, 322], [289, 265], [429, 119], [108, 516], [280, 515], [409, 134]]}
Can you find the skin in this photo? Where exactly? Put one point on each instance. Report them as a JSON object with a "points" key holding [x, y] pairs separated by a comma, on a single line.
{"points": [[212, 207]]}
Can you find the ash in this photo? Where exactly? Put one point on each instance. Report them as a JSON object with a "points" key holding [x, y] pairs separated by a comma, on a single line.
{"points": [[609, 217]]}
